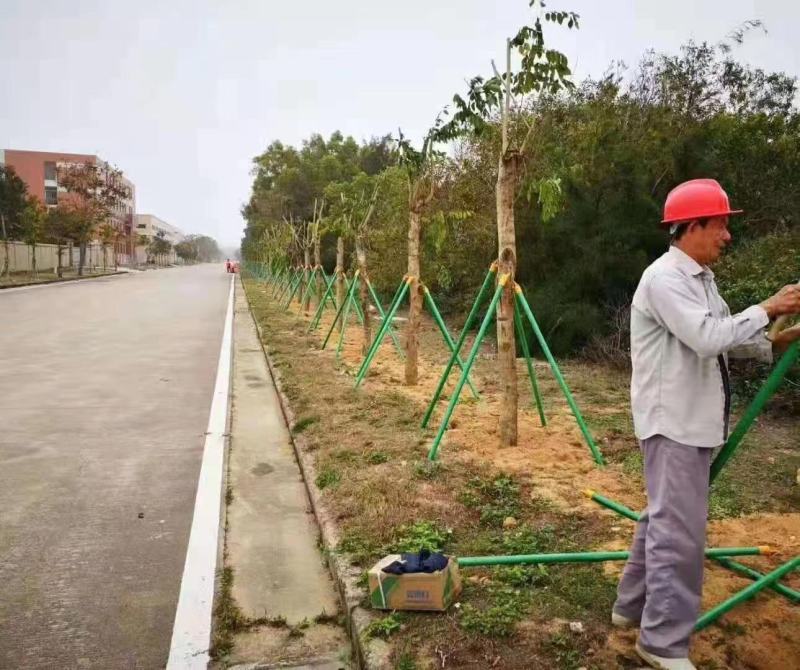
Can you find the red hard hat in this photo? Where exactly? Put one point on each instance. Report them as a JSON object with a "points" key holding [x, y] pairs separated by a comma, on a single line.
{"points": [[696, 199]]}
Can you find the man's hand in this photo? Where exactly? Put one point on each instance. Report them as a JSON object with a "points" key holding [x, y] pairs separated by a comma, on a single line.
{"points": [[785, 301]]}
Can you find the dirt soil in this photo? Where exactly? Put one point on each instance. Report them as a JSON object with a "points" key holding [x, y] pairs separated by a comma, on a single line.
{"points": [[552, 466]]}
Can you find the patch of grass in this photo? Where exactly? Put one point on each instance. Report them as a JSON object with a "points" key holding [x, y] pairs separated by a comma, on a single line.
{"points": [[502, 608], [304, 423], [360, 548], [228, 618], [576, 591], [426, 469], [228, 495], [325, 618], [725, 500], [406, 661], [376, 457], [420, 535], [328, 476], [611, 424], [495, 499], [522, 575], [565, 650], [633, 464], [385, 627]]}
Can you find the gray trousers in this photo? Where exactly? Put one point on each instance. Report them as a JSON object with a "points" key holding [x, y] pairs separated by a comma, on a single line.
{"points": [[662, 582]]}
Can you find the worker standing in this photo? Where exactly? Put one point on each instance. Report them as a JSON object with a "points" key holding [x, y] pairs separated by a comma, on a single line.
{"points": [[682, 333]]}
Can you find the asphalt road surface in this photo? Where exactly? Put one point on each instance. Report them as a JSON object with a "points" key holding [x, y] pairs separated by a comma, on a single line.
{"points": [[105, 389]]}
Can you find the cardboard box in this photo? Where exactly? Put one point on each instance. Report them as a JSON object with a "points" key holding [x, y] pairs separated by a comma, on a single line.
{"points": [[433, 591]]}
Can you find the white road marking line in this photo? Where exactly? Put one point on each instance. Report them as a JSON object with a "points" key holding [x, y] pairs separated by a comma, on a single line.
{"points": [[191, 633]]}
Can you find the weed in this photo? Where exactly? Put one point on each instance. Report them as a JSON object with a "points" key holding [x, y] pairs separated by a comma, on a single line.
{"points": [[376, 457], [328, 476], [324, 618], [426, 469], [228, 495], [505, 607], [304, 423], [420, 535], [385, 627], [564, 650], [522, 575], [406, 662], [496, 499], [228, 618], [360, 548]]}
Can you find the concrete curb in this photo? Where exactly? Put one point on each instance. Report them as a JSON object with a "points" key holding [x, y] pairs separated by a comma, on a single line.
{"points": [[47, 282], [369, 654]]}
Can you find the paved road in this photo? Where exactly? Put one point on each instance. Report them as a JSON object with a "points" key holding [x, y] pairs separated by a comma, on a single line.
{"points": [[105, 388]]}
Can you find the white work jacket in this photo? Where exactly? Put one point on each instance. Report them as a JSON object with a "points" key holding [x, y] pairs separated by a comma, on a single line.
{"points": [[679, 327]]}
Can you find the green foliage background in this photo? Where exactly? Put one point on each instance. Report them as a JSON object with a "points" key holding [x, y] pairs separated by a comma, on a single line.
{"points": [[603, 156]]}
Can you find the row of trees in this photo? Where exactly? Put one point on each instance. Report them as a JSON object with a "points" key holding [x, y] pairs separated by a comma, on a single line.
{"points": [[93, 192], [585, 168]]}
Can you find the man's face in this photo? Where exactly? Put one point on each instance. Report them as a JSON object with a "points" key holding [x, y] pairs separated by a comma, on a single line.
{"points": [[709, 241]]}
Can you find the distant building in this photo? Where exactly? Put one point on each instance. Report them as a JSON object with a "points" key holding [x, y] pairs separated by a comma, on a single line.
{"points": [[39, 171], [150, 226]]}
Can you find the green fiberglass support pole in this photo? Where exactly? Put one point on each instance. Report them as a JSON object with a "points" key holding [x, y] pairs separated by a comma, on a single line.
{"points": [[379, 307], [619, 508], [585, 557], [393, 307], [346, 300], [311, 284], [321, 307], [461, 338], [348, 303], [754, 409], [355, 300], [748, 592], [385, 325], [598, 457], [501, 284], [628, 513], [434, 310], [294, 290], [531, 372], [284, 286], [746, 571]]}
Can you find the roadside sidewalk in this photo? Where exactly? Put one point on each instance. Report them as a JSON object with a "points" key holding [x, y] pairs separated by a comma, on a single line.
{"points": [[286, 607]]}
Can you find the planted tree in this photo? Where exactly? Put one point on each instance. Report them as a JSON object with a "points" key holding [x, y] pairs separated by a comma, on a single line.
{"points": [[108, 235], [159, 246], [32, 223], [94, 191], [13, 201], [541, 71], [420, 168]]}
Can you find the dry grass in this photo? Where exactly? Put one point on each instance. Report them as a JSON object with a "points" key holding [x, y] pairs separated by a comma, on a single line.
{"points": [[385, 494]]}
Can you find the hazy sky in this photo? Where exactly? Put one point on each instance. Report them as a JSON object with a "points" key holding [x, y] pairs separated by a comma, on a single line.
{"points": [[181, 94]]}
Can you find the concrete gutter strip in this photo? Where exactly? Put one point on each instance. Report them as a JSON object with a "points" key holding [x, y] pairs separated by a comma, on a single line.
{"points": [[63, 280], [369, 653]]}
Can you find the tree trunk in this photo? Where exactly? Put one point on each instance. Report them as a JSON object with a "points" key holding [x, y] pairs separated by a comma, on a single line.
{"points": [[60, 267], [81, 258], [339, 277], [361, 256], [318, 264], [33, 260], [507, 177], [414, 299], [6, 261], [306, 277]]}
